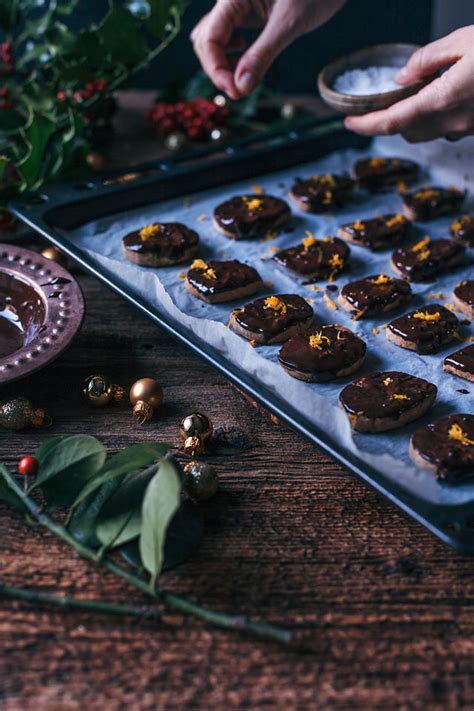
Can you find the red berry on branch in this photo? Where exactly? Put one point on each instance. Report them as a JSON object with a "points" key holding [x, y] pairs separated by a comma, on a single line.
{"points": [[61, 95], [28, 466]]}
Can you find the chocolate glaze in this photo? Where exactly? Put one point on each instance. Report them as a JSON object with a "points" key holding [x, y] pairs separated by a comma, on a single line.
{"points": [[258, 318], [463, 229], [424, 264], [430, 202], [22, 313], [462, 360], [465, 291], [230, 275], [429, 336], [235, 217], [378, 173], [321, 193], [376, 233], [371, 396], [371, 298], [314, 261], [322, 363], [170, 242], [454, 460]]}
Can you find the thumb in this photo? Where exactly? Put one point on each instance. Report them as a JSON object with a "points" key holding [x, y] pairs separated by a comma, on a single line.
{"points": [[428, 60], [256, 61]]}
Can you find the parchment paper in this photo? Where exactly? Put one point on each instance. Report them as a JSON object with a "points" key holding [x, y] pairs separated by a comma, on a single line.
{"points": [[444, 164]]}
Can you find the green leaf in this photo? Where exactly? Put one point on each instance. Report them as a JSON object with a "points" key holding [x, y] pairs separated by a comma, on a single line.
{"points": [[8, 14], [182, 538], [82, 523], [65, 468], [160, 503], [122, 37], [11, 121], [120, 529], [129, 460], [36, 136], [6, 494]]}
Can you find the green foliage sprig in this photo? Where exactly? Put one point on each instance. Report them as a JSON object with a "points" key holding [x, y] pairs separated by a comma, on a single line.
{"points": [[129, 506], [53, 79]]}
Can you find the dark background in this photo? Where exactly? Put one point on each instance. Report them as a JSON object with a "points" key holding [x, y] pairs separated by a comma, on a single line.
{"points": [[360, 23]]}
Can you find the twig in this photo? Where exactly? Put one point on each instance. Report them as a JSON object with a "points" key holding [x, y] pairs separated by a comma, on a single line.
{"points": [[71, 603], [220, 619]]}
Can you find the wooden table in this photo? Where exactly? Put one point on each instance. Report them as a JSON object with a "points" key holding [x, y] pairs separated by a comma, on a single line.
{"points": [[290, 538]]}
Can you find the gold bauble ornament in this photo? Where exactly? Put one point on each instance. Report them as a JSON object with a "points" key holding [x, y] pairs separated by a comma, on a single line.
{"points": [[18, 413], [146, 395], [97, 161], [55, 255], [200, 480], [99, 391], [196, 430]]}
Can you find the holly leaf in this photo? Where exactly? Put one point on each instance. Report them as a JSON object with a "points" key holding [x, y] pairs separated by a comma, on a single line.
{"points": [[8, 495], [66, 466], [160, 503], [36, 136], [8, 15], [122, 38]]}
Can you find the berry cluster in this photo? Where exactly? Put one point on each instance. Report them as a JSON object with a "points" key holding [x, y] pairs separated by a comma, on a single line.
{"points": [[91, 89], [6, 58], [197, 118]]}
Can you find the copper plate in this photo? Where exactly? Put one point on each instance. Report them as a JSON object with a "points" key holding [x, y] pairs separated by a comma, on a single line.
{"points": [[41, 310]]}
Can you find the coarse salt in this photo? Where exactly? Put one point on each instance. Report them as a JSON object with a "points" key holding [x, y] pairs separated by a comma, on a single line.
{"points": [[368, 81]]}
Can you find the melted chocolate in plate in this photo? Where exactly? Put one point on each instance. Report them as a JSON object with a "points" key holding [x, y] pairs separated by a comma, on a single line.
{"points": [[41, 309]]}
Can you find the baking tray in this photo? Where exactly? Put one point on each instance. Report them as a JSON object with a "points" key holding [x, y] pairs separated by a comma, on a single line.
{"points": [[56, 211]]}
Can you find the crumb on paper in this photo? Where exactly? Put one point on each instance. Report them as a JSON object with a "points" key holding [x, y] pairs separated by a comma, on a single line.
{"points": [[182, 275], [223, 253], [435, 295], [252, 343], [309, 300], [273, 249], [383, 326], [202, 217], [375, 331], [257, 189], [269, 236], [450, 307], [314, 287], [329, 302], [268, 283]]}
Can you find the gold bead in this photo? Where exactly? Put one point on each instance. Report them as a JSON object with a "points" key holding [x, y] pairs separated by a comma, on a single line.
{"points": [[146, 395], [18, 413], [99, 391], [55, 255], [96, 161]]}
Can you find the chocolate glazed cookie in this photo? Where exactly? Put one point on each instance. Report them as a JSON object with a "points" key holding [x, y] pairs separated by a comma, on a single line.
{"points": [[424, 331], [374, 295], [431, 202], [426, 259], [247, 216], [385, 401], [321, 193], [461, 363], [160, 244], [314, 258], [463, 297], [376, 174], [446, 447], [272, 319], [215, 282], [462, 229], [378, 232], [320, 355]]}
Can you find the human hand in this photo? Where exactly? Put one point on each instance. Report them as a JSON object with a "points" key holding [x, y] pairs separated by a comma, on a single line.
{"points": [[215, 37], [445, 107]]}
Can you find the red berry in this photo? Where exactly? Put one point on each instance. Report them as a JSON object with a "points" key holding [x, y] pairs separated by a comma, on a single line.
{"points": [[61, 95], [28, 466]]}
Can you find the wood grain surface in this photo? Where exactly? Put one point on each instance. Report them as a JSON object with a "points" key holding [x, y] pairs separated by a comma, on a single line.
{"points": [[385, 609]]}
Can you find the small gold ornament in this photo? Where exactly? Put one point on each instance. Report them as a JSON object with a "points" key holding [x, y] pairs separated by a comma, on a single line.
{"points": [[146, 395], [55, 255], [99, 391], [96, 161], [19, 413], [196, 430], [200, 480]]}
